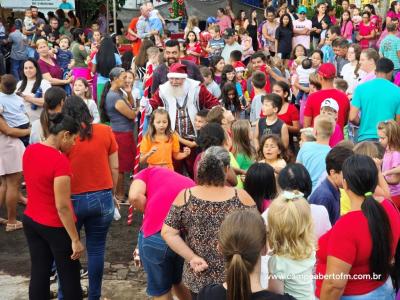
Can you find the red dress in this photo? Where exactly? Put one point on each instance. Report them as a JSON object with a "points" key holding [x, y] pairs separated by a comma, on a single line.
{"points": [[194, 48]]}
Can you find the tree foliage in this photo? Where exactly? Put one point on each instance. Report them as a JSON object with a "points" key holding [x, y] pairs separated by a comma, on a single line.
{"points": [[87, 9]]}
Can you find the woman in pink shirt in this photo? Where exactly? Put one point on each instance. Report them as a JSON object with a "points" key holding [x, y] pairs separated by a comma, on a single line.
{"points": [[394, 11], [366, 32], [152, 192], [346, 26], [224, 21]]}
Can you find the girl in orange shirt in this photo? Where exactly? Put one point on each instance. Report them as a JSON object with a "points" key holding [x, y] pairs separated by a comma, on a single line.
{"points": [[160, 144]]}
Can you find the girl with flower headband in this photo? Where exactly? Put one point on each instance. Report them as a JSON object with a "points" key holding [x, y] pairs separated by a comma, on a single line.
{"points": [[291, 239]]}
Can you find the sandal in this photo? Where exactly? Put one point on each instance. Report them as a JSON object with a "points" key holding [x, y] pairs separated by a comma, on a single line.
{"points": [[3, 221], [14, 227]]}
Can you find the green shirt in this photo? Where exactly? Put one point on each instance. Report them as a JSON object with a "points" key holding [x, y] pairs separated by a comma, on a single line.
{"points": [[244, 161], [389, 48], [235, 164], [378, 100], [79, 55]]}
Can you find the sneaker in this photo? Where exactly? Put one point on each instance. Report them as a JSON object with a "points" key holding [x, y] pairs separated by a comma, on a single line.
{"points": [[53, 275], [84, 273]]}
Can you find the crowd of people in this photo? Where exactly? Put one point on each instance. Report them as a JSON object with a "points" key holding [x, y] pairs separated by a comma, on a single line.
{"points": [[265, 154]]}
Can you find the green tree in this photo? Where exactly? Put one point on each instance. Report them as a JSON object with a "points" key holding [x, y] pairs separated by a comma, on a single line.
{"points": [[86, 10]]}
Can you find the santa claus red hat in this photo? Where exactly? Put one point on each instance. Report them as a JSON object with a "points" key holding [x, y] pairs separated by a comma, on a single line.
{"points": [[177, 70], [239, 66]]}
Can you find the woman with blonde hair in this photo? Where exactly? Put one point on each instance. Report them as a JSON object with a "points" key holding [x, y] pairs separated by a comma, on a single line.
{"points": [[192, 25], [242, 241], [291, 238]]}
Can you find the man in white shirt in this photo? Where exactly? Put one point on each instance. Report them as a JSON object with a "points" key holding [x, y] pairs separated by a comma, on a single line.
{"points": [[230, 44], [301, 29]]}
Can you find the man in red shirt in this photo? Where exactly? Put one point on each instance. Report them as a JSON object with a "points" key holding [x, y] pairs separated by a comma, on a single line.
{"points": [[326, 74]]}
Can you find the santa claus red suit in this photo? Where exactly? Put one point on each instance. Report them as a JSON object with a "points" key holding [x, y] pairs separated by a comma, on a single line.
{"points": [[182, 97]]}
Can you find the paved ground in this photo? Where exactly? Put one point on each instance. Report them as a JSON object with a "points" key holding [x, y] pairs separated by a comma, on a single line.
{"points": [[121, 280]]}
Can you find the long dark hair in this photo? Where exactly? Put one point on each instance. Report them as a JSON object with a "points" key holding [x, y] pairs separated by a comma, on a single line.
{"points": [[213, 62], [187, 42], [289, 25], [361, 176], [285, 88], [105, 58], [102, 107], [226, 101], [38, 80], [260, 183], [77, 109], [60, 121], [76, 32], [52, 98], [224, 79]]}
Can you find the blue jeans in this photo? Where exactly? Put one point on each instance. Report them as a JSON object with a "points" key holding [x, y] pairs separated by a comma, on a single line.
{"points": [[384, 292], [16, 68], [95, 211], [163, 266]]}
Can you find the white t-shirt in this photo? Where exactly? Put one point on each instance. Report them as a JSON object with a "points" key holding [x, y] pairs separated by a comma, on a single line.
{"points": [[94, 111], [304, 74], [322, 224], [352, 80], [33, 114], [305, 38]]}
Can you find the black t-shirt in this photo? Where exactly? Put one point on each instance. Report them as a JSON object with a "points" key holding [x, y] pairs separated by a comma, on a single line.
{"points": [[218, 292], [284, 36]]}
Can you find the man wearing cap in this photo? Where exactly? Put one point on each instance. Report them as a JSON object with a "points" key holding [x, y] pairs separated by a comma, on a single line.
{"points": [[171, 56], [230, 44], [326, 75], [302, 29], [18, 49], [378, 100]]}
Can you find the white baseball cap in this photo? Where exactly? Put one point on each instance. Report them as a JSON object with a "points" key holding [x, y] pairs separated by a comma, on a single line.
{"points": [[329, 102]]}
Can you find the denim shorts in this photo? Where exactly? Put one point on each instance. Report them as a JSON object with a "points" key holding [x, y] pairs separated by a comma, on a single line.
{"points": [[162, 265], [384, 292]]}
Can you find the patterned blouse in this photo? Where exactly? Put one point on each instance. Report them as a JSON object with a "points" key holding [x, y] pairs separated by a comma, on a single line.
{"points": [[200, 220]]}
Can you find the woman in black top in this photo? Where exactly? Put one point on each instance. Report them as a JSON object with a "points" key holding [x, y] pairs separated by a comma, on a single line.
{"points": [[283, 37], [252, 28], [316, 23], [242, 241]]}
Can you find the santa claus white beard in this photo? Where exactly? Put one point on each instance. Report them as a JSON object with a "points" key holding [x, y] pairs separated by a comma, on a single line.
{"points": [[176, 91]]}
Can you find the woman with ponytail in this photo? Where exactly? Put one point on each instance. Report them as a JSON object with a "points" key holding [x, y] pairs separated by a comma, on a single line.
{"points": [[362, 242], [199, 212], [54, 99], [242, 240], [116, 108], [49, 220]]}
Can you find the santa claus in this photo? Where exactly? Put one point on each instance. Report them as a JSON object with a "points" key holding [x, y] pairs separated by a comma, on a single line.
{"points": [[182, 97]]}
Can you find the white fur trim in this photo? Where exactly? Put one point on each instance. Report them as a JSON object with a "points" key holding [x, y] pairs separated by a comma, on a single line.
{"points": [[240, 69], [177, 75]]}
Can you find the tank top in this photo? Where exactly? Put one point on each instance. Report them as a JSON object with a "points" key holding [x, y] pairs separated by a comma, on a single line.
{"points": [[263, 128]]}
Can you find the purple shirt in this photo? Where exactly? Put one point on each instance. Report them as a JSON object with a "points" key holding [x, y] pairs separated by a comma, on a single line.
{"points": [[391, 160], [162, 187], [55, 71]]}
